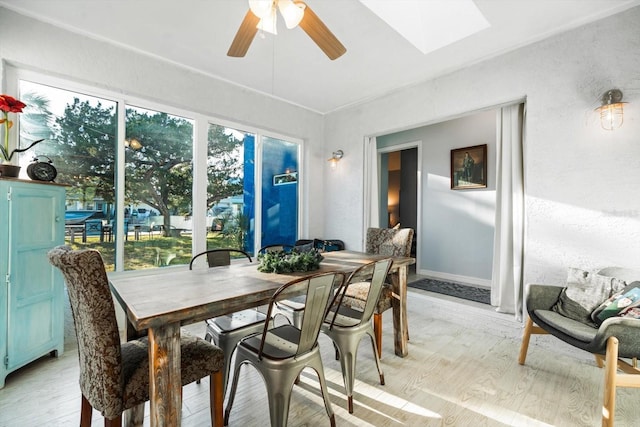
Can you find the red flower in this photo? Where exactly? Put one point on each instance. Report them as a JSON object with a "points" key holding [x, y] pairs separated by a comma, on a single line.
{"points": [[8, 104], [11, 105]]}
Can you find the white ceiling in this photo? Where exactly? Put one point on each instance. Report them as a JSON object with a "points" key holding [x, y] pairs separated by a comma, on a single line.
{"points": [[197, 34]]}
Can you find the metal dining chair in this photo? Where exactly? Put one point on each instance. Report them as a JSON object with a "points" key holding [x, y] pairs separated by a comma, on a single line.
{"points": [[226, 331], [280, 353], [388, 242], [347, 326], [114, 376], [292, 308], [218, 257]]}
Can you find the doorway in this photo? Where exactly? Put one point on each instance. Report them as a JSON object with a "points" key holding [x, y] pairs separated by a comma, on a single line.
{"points": [[399, 190]]}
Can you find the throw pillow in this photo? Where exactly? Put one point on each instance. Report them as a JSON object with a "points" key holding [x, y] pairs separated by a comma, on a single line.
{"points": [[623, 303], [584, 291]]}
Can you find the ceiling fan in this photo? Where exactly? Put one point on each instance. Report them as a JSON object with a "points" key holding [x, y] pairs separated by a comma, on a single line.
{"points": [[262, 16]]}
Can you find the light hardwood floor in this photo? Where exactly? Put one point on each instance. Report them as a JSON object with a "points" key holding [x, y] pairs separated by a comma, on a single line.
{"points": [[461, 370]]}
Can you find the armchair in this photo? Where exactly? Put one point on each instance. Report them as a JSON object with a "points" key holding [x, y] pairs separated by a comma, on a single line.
{"points": [[617, 338]]}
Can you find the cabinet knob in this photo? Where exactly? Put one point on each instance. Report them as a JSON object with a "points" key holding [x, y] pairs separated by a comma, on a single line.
{"points": [[57, 218]]}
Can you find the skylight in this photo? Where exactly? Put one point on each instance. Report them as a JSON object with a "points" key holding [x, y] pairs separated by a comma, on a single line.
{"points": [[430, 25]]}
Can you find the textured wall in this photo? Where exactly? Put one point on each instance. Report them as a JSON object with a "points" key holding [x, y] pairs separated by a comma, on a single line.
{"points": [[582, 197]]}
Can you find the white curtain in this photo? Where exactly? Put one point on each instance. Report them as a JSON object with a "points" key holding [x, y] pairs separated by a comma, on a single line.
{"points": [[371, 214], [507, 289]]}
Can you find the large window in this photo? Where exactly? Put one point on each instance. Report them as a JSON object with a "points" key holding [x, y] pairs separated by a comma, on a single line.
{"points": [[80, 140], [229, 187], [242, 190], [129, 166], [158, 184]]}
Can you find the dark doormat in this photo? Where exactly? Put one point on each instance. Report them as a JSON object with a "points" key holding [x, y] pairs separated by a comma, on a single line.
{"points": [[468, 292]]}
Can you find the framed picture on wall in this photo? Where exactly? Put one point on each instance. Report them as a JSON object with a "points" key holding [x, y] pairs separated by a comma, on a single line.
{"points": [[469, 167]]}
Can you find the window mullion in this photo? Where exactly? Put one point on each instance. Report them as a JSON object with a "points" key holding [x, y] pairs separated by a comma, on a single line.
{"points": [[258, 192], [200, 182], [120, 177]]}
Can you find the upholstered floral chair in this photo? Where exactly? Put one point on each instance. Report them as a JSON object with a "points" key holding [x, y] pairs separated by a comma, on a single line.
{"points": [[382, 241], [114, 376]]}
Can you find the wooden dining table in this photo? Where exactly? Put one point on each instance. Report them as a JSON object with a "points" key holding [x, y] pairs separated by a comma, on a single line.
{"points": [[162, 301]]}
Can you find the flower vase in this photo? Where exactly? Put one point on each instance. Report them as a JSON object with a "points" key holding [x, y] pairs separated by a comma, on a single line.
{"points": [[9, 171]]}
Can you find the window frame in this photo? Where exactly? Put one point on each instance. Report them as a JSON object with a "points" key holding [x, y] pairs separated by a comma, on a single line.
{"points": [[199, 150]]}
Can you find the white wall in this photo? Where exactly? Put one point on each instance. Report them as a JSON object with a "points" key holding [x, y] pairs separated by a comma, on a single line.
{"points": [[30, 44], [582, 207], [456, 227], [582, 197]]}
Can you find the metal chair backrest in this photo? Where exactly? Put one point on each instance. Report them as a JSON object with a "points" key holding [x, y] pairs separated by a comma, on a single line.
{"points": [[374, 274], [318, 290], [219, 257]]}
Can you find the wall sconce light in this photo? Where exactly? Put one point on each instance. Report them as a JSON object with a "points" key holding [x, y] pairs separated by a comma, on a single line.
{"points": [[611, 110], [335, 158]]}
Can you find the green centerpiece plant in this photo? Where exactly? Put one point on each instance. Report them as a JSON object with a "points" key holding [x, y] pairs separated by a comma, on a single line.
{"points": [[281, 262]]}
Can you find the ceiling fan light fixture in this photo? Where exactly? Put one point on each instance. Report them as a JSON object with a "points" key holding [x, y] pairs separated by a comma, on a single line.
{"points": [[262, 16], [268, 23], [291, 12], [261, 8]]}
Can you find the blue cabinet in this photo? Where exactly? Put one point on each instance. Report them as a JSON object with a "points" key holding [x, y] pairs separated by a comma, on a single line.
{"points": [[31, 290]]}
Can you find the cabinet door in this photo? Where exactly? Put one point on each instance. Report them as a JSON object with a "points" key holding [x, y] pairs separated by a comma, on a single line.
{"points": [[35, 293]]}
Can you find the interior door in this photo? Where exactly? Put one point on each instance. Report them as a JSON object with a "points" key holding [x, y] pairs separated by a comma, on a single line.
{"points": [[398, 194]]}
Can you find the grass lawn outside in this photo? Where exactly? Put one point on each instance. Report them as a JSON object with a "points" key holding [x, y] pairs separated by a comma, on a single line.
{"points": [[150, 250]]}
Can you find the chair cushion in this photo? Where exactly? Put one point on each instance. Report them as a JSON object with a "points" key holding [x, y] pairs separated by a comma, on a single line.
{"points": [[356, 297], [584, 291], [575, 329], [346, 317], [280, 343], [238, 320], [198, 359]]}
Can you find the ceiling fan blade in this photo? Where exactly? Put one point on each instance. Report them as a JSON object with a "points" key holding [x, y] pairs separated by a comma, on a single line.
{"points": [[244, 36], [321, 35]]}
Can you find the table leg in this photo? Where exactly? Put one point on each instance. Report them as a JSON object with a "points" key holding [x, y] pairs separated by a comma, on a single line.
{"points": [[165, 385], [400, 332]]}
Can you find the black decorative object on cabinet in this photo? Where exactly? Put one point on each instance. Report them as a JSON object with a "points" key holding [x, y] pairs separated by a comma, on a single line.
{"points": [[42, 171]]}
